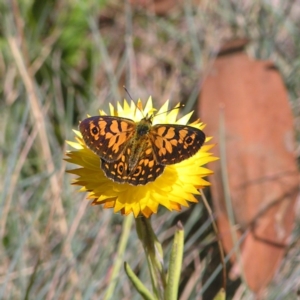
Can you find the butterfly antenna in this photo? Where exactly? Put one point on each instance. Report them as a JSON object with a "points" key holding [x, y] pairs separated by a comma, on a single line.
{"points": [[177, 107], [125, 88], [137, 106]]}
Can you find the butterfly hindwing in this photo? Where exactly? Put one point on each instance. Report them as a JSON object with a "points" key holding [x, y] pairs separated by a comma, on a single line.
{"points": [[107, 136], [175, 143], [145, 170]]}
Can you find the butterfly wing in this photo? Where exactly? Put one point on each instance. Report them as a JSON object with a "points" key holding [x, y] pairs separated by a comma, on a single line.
{"points": [[107, 136], [175, 143], [145, 170]]}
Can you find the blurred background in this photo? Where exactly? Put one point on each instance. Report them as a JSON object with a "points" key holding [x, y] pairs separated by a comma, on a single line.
{"points": [[61, 60]]}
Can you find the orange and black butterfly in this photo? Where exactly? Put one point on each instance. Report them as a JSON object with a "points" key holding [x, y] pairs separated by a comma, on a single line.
{"points": [[137, 153]]}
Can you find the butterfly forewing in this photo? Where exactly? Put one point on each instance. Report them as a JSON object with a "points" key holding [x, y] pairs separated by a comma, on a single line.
{"points": [[175, 143], [107, 136]]}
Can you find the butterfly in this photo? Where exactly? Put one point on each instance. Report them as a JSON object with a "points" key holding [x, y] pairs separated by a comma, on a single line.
{"points": [[137, 152]]}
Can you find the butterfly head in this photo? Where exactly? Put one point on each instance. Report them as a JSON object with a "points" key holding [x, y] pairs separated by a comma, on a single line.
{"points": [[144, 126]]}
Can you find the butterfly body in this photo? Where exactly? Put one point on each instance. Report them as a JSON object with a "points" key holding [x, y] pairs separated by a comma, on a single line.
{"points": [[137, 153], [139, 142]]}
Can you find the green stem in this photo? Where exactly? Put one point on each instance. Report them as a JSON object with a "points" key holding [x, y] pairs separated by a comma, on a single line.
{"points": [[154, 255], [175, 264], [127, 222], [143, 291]]}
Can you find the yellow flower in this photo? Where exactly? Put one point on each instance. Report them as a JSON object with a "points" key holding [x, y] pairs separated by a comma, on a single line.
{"points": [[173, 189]]}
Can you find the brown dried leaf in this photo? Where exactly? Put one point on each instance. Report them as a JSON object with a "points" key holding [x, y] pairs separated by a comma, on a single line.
{"points": [[261, 167]]}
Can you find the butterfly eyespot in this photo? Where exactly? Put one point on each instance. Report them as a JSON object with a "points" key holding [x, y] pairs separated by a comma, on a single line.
{"points": [[95, 130], [120, 168], [188, 140], [137, 171]]}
